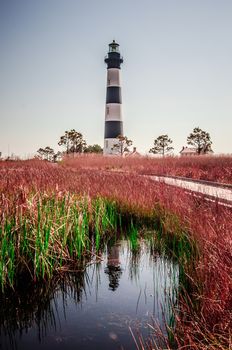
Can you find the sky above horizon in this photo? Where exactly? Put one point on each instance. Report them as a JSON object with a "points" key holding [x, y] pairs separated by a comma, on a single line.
{"points": [[176, 75]]}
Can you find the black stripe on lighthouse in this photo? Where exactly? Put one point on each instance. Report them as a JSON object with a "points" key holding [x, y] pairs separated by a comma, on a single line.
{"points": [[113, 94], [113, 129], [114, 60]]}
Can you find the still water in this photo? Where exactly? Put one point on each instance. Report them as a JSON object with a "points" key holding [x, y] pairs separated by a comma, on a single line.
{"points": [[96, 308]]}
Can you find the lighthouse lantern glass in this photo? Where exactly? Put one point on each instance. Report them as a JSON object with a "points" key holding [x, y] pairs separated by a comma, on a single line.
{"points": [[113, 47]]}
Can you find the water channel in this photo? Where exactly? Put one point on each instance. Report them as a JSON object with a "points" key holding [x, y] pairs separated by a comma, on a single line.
{"points": [[96, 308]]}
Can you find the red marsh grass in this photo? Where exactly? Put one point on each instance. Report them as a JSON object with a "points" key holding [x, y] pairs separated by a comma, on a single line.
{"points": [[204, 318], [211, 168]]}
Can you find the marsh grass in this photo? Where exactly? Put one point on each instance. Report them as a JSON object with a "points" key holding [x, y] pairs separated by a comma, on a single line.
{"points": [[206, 167], [50, 235], [196, 232], [50, 232]]}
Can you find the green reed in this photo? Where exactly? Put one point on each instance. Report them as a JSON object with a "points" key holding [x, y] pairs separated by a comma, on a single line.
{"points": [[51, 232], [133, 237]]}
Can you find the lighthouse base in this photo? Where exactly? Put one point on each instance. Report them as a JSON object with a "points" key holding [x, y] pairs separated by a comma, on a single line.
{"points": [[109, 147]]}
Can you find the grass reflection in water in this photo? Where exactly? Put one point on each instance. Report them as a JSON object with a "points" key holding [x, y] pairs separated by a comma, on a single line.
{"points": [[125, 286]]}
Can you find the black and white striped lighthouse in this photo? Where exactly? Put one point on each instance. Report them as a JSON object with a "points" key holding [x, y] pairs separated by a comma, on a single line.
{"points": [[113, 112]]}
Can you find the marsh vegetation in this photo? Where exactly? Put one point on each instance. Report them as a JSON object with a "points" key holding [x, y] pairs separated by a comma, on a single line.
{"points": [[56, 221]]}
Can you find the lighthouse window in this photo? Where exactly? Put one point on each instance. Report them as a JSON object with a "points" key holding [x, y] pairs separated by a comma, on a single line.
{"points": [[107, 110], [107, 144]]}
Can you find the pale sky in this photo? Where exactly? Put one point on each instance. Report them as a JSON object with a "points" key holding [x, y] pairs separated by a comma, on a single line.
{"points": [[177, 71]]}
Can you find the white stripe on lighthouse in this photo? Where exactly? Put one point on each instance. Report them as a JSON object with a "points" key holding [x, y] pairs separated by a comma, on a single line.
{"points": [[109, 145], [113, 112], [113, 77]]}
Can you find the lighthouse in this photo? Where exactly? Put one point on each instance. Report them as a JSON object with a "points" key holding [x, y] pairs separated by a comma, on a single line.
{"points": [[113, 110]]}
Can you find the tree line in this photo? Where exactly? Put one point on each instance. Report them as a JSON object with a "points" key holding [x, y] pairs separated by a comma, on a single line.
{"points": [[198, 138], [73, 142]]}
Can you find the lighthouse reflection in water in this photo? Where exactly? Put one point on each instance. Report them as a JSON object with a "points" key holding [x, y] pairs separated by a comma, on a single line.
{"points": [[113, 268], [96, 308]]}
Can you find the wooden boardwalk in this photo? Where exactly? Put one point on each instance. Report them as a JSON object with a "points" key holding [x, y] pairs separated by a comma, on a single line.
{"points": [[212, 191]]}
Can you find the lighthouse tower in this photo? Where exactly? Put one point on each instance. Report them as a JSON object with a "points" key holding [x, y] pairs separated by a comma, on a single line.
{"points": [[113, 113]]}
